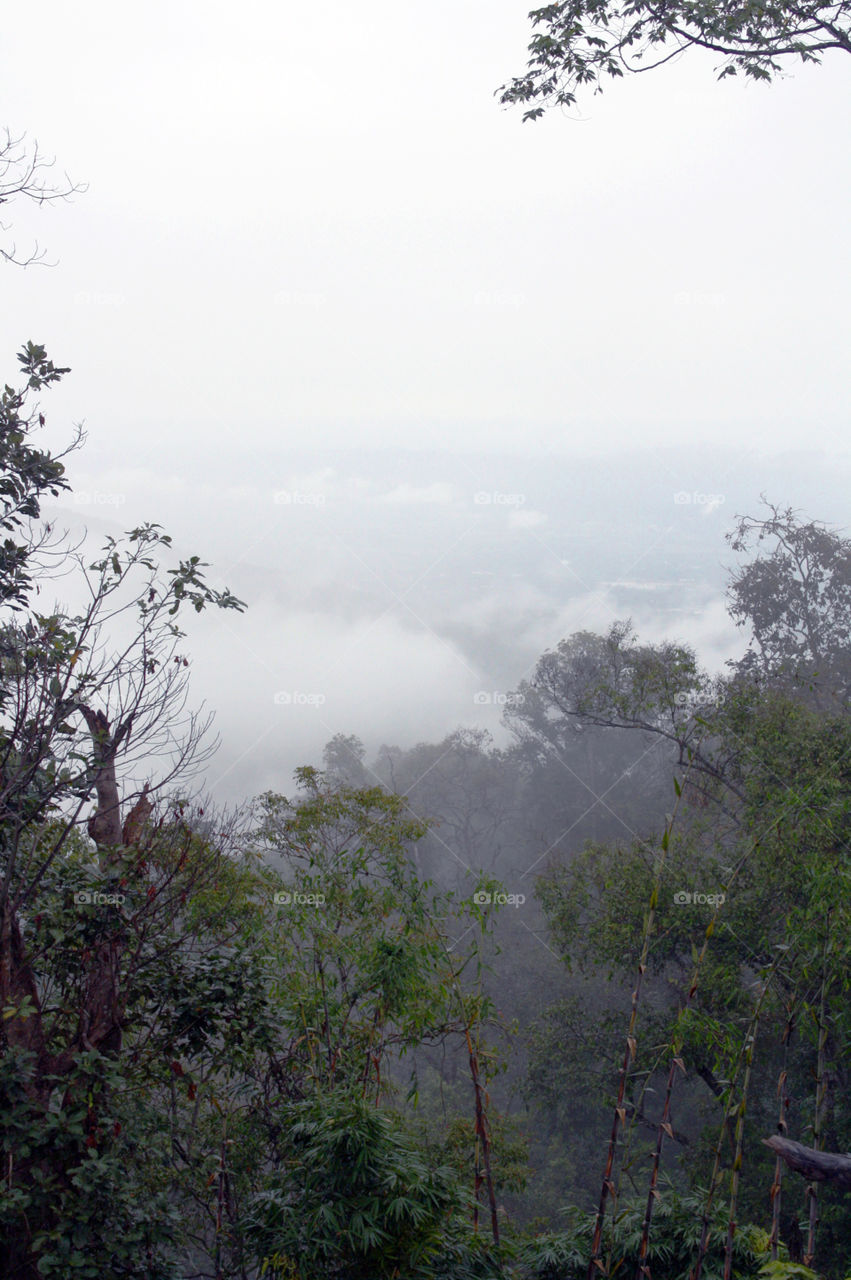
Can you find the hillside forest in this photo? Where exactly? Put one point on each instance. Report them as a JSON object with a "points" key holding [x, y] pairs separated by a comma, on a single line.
{"points": [[577, 1005]]}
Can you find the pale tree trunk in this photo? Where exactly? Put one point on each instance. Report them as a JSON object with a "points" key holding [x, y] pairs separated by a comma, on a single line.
{"points": [[815, 1166]]}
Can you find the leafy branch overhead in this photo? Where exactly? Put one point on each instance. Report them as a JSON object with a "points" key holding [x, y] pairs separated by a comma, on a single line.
{"points": [[578, 43]]}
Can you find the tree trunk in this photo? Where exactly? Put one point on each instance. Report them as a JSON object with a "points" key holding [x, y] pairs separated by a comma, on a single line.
{"points": [[815, 1166], [100, 1014], [18, 987], [105, 825]]}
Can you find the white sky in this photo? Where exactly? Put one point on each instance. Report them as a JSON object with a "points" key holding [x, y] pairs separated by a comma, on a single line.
{"points": [[316, 219], [313, 226]]}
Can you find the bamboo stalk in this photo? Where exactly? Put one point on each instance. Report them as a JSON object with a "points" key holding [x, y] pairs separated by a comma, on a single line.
{"points": [[608, 1188], [750, 1041], [745, 1058], [782, 1129], [220, 1200], [716, 1175], [652, 1193], [481, 1124], [665, 1122], [482, 1134], [812, 1189]]}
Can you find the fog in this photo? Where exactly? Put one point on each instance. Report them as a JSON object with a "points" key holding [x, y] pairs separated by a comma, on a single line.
{"points": [[420, 381], [388, 598]]}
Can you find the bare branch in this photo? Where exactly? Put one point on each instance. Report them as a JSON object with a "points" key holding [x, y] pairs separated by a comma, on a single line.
{"points": [[815, 1166], [23, 173]]}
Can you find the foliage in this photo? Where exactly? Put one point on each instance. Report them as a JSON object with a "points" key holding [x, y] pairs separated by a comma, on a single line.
{"points": [[775, 896], [208, 1065], [796, 602], [72, 1172], [285, 998], [449, 1143], [778, 1270], [355, 1200], [26, 473], [750, 916], [577, 43], [361, 943], [83, 922], [564, 1255]]}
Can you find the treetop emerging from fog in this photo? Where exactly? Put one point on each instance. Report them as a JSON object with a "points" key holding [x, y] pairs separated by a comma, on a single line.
{"points": [[579, 42]]}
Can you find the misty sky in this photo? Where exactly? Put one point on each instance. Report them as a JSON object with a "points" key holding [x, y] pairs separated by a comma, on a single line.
{"points": [[311, 237]]}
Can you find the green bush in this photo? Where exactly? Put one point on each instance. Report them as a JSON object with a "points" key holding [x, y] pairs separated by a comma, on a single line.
{"points": [[674, 1242]]}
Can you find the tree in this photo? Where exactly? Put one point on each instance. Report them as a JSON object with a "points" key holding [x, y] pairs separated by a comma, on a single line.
{"points": [[467, 788], [343, 758], [657, 693], [579, 42], [360, 959], [86, 702], [360, 965], [796, 602], [757, 861], [168, 1000], [22, 173], [772, 895]]}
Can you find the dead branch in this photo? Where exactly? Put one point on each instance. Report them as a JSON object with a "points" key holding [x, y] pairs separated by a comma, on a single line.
{"points": [[815, 1166]]}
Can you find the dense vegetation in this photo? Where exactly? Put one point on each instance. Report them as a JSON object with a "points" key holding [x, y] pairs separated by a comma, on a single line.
{"points": [[399, 1023]]}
